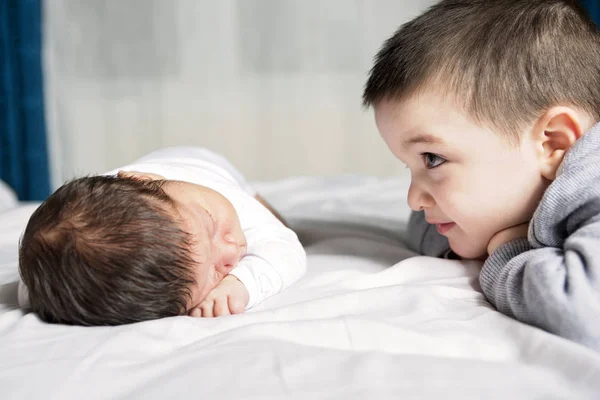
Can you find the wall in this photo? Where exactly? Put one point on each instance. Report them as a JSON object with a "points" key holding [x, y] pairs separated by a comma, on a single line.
{"points": [[275, 85]]}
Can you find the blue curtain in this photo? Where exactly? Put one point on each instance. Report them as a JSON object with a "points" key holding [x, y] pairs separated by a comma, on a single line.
{"points": [[593, 7], [23, 151]]}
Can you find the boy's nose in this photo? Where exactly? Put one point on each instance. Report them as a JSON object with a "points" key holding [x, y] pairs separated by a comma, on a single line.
{"points": [[418, 199]]}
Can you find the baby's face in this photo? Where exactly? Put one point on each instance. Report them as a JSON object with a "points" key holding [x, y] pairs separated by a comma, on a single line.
{"points": [[470, 182], [210, 219]]}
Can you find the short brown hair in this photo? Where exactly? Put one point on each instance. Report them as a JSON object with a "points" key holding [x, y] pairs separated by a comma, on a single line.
{"points": [[103, 250], [504, 61]]}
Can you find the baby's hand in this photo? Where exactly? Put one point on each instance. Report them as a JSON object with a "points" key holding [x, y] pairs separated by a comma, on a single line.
{"points": [[506, 235], [230, 296]]}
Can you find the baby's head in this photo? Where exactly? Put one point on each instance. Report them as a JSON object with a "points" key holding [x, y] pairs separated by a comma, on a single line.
{"points": [[108, 250], [481, 99]]}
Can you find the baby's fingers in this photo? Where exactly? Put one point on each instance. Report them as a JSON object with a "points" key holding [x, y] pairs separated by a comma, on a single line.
{"points": [[221, 307], [207, 308], [236, 306], [195, 312]]}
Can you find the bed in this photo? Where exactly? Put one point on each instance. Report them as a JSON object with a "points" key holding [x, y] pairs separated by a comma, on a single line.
{"points": [[370, 319]]}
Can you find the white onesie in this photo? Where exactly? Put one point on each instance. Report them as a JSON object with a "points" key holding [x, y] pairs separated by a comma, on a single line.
{"points": [[275, 258]]}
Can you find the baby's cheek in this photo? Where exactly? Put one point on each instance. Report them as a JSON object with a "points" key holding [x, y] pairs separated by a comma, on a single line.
{"points": [[204, 285]]}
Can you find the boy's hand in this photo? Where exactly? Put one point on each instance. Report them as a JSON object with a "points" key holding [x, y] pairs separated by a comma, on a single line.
{"points": [[230, 296], [506, 235]]}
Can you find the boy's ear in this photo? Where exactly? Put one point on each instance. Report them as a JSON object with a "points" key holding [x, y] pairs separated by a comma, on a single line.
{"points": [[140, 176], [555, 132]]}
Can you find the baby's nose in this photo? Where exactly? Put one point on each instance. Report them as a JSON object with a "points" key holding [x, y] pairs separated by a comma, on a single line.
{"points": [[230, 252]]}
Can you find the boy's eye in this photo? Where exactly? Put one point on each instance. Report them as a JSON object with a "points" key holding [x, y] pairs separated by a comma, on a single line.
{"points": [[432, 160]]}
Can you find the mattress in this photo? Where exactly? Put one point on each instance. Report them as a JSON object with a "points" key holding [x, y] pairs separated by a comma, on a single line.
{"points": [[371, 319]]}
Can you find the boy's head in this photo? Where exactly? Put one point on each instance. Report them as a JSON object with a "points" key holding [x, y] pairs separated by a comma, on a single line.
{"points": [[107, 250], [481, 99]]}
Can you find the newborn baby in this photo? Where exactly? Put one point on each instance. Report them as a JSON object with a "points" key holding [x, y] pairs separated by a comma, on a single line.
{"points": [[177, 232]]}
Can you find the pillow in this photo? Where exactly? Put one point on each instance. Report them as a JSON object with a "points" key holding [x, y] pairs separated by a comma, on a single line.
{"points": [[8, 198]]}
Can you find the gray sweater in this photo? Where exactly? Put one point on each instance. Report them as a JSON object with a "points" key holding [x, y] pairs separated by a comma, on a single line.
{"points": [[552, 278]]}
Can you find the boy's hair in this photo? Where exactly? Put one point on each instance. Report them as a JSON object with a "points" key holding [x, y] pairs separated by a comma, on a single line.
{"points": [[504, 61], [103, 250]]}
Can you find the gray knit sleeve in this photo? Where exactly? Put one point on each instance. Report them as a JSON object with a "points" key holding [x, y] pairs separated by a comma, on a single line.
{"points": [[556, 289], [424, 238], [552, 279]]}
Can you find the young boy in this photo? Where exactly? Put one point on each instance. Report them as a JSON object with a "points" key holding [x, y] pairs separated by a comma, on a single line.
{"points": [[492, 104], [177, 232]]}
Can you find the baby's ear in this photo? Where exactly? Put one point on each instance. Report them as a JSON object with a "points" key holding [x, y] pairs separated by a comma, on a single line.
{"points": [[556, 131], [140, 176]]}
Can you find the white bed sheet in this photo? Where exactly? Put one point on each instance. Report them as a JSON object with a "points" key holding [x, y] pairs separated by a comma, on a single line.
{"points": [[368, 320]]}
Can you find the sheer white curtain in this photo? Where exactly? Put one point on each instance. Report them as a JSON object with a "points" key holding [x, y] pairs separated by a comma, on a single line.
{"points": [[274, 85]]}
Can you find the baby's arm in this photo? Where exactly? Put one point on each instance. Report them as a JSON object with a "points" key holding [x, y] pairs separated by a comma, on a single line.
{"points": [[269, 207], [258, 276], [275, 259], [554, 288]]}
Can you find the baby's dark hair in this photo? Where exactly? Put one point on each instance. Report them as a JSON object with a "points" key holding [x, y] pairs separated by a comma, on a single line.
{"points": [[505, 62], [103, 250]]}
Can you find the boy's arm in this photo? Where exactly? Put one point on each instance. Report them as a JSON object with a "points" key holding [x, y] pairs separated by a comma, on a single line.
{"points": [[554, 288], [275, 259]]}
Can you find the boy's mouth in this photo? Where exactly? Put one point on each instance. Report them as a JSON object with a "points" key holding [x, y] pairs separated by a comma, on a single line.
{"points": [[444, 228]]}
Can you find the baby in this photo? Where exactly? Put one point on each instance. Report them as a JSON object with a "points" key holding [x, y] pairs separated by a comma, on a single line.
{"points": [[493, 105], [177, 232]]}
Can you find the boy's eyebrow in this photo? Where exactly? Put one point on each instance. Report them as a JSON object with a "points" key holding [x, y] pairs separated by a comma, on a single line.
{"points": [[423, 138]]}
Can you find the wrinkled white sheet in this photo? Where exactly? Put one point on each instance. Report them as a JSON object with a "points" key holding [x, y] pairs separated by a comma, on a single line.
{"points": [[367, 321], [8, 198]]}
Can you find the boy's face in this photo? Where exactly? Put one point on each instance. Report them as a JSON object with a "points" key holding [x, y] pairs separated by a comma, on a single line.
{"points": [[470, 182]]}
